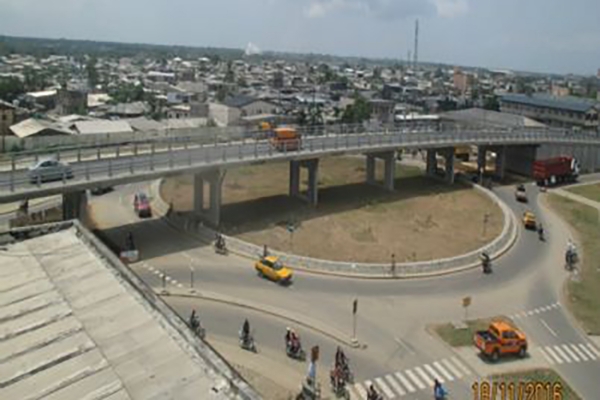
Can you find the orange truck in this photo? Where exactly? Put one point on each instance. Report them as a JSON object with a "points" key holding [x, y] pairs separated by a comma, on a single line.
{"points": [[500, 339], [286, 139]]}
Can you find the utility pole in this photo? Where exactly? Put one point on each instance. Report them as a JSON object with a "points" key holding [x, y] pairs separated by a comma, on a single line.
{"points": [[416, 54]]}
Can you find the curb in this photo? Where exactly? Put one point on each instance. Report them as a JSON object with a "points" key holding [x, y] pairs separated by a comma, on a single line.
{"points": [[338, 337], [381, 271]]}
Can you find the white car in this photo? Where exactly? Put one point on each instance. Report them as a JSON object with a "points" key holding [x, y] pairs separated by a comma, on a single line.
{"points": [[49, 170]]}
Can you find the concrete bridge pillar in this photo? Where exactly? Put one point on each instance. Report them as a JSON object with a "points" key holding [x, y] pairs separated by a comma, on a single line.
{"points": [[431, 162], [74, 205], [449, 170], [481, 159], [212, 213], [389, 159], [500, 162], [312, 192]]}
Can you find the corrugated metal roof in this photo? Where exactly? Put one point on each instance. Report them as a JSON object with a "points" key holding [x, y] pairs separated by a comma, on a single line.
{"points": [[33, 126], [72, 328], [542, 100], [491, 118], [102, 126]]}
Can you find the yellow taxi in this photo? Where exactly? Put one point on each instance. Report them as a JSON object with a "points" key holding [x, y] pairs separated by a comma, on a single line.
{"points": [[529, 220], [270, 267]]}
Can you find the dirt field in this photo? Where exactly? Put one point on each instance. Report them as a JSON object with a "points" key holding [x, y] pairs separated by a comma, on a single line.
{"points": [[424, 219]]}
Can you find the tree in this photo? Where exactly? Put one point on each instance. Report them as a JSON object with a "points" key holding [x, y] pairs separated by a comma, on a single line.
{"points": [[92, 72], [11, 88], [222, 93], [358, 112]]}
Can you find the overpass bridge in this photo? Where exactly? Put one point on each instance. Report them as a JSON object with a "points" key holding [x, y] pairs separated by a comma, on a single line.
{"points": [[209, 162]]}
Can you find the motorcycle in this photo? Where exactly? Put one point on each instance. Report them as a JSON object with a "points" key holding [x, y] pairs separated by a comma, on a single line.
{"points": [[309, 392], [248, 342], [299, 353], [347, 374], [338, 386], [486, 264], [200, 331], [571, 259], [221, 248]]}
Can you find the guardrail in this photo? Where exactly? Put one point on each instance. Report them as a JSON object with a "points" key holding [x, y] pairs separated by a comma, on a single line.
{"points": [[150, 161]]}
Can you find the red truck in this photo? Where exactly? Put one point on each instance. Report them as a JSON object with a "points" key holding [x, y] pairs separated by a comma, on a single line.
{"points": [[555, 170]]}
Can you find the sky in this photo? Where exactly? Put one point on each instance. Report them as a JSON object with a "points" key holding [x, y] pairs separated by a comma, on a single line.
{"points": [[530, 35]]}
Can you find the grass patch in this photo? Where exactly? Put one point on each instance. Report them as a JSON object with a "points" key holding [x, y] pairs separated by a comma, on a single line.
{"points": [[535, 376], [583, 299], [591, 192], [463, 336]]}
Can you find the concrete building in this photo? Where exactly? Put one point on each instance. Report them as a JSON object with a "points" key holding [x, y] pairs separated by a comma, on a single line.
{"points": [[39, 127], [462, 81], [102, 126], [78, 324], [566, 112], [7, 117], [382, 110], [233, 109], [71, 101], [45, 99], [560, 91]]}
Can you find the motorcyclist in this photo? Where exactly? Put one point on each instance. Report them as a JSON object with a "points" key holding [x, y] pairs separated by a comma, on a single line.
{"points": [[372, 393], [194, 322], [485, 261], [246, 331], [439, 393], [337, 379], [340, 358]]}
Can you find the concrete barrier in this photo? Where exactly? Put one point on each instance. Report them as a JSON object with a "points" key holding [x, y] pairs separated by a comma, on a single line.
{"points": [[495, 248]]}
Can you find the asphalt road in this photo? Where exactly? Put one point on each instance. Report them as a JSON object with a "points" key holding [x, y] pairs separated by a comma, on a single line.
{"points": [[392, 314]]}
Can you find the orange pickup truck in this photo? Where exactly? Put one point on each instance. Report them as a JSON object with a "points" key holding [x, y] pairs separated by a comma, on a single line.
{"points": [[501, 339]]}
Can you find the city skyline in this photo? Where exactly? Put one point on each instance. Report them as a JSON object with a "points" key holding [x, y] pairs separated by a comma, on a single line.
{"points": [[539, 36]]}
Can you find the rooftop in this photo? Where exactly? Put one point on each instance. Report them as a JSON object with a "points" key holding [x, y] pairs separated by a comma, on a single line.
{"points": [[543, 100], [74, 326], [491, 118], [33, 126], [102, 126]]}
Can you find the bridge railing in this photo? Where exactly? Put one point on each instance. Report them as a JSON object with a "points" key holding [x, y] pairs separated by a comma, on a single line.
{"points": [[149, 161]]}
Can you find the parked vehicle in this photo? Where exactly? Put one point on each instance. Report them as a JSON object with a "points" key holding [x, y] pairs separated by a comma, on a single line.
{"points": [[286, 139], [501, 339], [521, 194], [141, 205], [556, 170], [49, 170], [271, 267]]}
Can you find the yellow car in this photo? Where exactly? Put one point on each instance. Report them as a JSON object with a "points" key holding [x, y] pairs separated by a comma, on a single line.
{"points": [[529, 220], [271, 268]]}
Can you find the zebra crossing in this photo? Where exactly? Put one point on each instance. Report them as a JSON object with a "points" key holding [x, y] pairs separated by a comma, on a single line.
{"points": [[569, 353], [535, 311], [402, 383]]}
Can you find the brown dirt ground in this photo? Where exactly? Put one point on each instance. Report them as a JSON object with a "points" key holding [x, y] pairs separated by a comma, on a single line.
{"points": [[423, 219]]}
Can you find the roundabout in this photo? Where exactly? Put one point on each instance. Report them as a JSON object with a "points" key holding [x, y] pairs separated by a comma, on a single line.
{"points": [[396, 352]]}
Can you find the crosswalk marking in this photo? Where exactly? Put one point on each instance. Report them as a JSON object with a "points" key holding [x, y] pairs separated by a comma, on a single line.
{"points": [[594, 350], [579, 352], [395, 385], [586, 351], [570, 353], [562, 354], [434, 373], [368, 384], [424, 376], [414, 378], [460, 365], [440, 368], [546, 356], [362, 393], [405, 382], [553, 354], [385, 388], [452, 368]]}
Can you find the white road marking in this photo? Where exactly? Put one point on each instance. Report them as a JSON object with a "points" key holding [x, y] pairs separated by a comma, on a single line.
{"points": [[562, 354], [360, 390], [594, 350], [174, 281], [586, 351], [548, 327], [567, 350], [536, 311], [433, 373], [553, 355], [385, 388], [368, 384], [404, 345], [452, 368], [460, 365], [423, 375], [529, 313], [546, 356], [440, 368], [415, 380], [579, 352], [523, 314], [180, 285], [405, 382], [168, 278], [395, 385]]}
